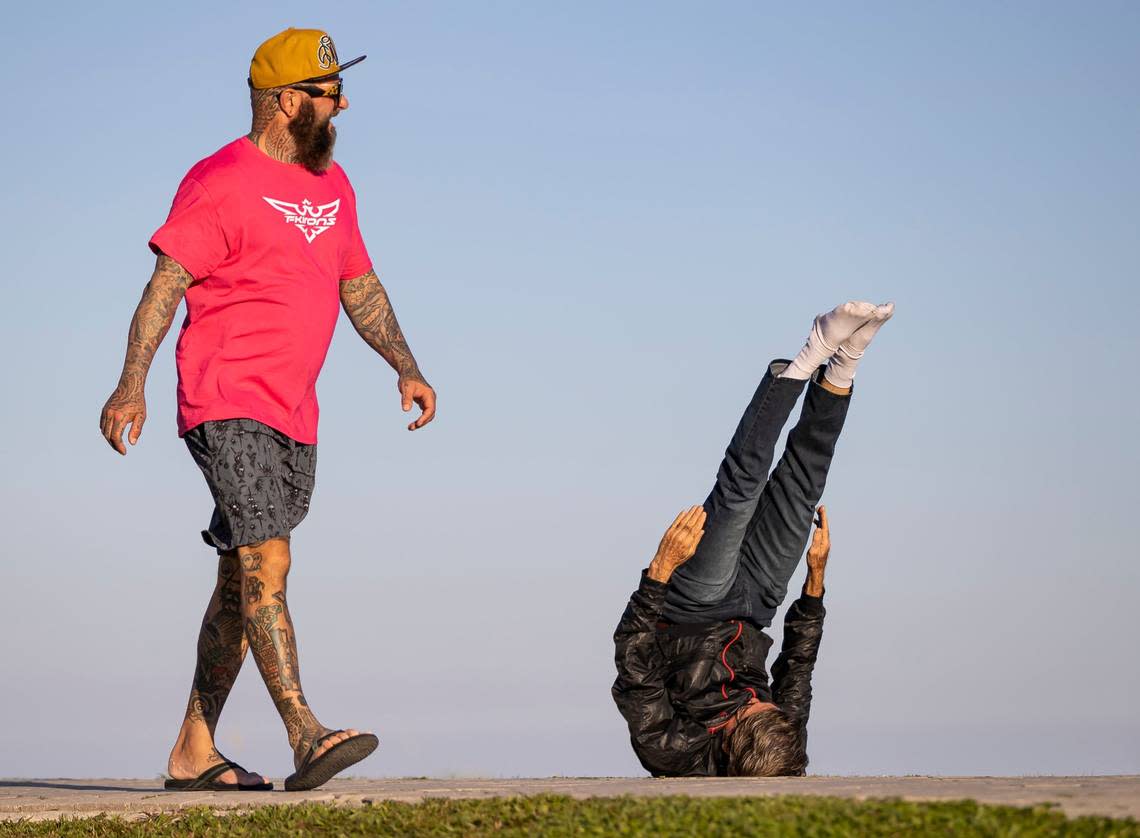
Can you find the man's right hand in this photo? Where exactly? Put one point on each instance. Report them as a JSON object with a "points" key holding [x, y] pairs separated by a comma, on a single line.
{"points": [[817, 554], [125, 407], [678, 544], [160, 299]]}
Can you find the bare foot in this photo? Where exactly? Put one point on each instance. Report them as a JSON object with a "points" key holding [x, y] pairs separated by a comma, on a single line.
{"points": [[189, 759], [332, 741], [329, 757]]}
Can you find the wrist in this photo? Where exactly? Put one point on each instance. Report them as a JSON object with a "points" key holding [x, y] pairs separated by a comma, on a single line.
{"points": [[813, 585], [658, 571], [131, 382]]}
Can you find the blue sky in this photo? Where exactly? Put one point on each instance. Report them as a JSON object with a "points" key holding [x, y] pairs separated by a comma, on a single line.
{"points": [[598, 223]]}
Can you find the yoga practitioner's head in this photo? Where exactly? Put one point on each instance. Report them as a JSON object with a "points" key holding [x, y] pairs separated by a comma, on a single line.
{"points": [[765, 743]]}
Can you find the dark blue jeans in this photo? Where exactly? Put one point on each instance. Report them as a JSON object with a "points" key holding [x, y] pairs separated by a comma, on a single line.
{"points": [[757, 525]]}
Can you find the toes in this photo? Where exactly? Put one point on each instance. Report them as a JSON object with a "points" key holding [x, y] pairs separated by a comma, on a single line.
{"points": [[336, 740], [858, 308], [328, 743]]}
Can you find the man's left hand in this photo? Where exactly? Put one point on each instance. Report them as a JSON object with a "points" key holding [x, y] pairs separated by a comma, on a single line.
{"points": [[418, 391]]}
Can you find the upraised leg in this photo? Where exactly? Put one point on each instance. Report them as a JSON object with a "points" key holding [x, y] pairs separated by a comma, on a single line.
{"points": [[710, 574], [705, 587], [778, 532]]}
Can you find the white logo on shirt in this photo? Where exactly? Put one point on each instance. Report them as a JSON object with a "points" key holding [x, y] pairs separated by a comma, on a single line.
{"points": [[310, 220]]}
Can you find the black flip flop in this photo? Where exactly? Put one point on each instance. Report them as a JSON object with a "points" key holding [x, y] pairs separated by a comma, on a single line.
{"points": [[208, 781], [316, 772]]}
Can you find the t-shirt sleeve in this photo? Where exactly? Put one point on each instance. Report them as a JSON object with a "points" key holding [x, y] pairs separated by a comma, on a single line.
{"points": [[192, 235], [355, 261]]}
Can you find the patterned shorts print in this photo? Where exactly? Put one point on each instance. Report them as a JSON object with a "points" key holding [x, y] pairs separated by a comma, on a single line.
{"points": [[261, 480]]}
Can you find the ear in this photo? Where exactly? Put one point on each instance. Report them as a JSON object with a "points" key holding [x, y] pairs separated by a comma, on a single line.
{"points": [[289, 101]]}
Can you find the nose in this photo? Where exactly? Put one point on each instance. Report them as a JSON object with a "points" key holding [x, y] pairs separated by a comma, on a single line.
{"points": [[342, 103]]}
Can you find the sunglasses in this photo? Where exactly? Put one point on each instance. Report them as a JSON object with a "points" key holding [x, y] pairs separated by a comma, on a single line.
{"points": [[334, 92]]}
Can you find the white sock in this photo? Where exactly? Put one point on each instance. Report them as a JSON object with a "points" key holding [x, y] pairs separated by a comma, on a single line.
{"points": [[827, 333], [841, 369]]}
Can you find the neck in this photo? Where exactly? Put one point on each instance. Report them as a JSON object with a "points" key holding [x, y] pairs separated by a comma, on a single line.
{"points": [[276, 141]]}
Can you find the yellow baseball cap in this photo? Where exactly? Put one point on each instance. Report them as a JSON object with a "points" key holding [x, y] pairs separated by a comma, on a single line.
{"points": [[293, 56]]}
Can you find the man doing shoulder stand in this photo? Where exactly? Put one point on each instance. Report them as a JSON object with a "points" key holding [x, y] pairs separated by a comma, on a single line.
{"points": [[690, 647], [262, 240]]}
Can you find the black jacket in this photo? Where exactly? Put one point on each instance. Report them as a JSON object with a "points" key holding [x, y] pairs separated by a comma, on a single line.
{"points": [[678, 684]]}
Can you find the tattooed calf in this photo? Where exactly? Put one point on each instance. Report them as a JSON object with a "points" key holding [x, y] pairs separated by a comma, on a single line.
{"points": [[275, 649], [266, 616], [219, 661]]}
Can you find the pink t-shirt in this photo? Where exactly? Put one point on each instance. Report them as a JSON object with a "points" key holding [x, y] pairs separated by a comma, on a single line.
{"points": [[267, 244]]}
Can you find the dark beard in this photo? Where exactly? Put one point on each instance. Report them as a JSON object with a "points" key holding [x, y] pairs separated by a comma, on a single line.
{"points": [[314, 142]]}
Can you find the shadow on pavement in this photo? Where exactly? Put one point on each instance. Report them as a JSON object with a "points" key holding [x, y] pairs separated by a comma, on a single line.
{"points": [[40, 784]]}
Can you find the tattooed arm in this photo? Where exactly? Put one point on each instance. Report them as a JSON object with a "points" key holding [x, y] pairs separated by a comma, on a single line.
{"points": [[367, 305], [160, 299]]}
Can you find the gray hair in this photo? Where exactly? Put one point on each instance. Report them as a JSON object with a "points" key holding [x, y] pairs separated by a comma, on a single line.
{"points": [[767, 744]]}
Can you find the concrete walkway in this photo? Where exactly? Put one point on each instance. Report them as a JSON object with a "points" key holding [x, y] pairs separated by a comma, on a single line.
{"points": [[49, 799]]}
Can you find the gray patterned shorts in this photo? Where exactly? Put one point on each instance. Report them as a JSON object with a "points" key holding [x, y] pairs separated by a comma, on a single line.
{"points": [[261, 480]]}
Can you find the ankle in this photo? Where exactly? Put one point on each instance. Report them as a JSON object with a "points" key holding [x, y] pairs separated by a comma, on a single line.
{"points": [[194, 737], [307, 738], [186, 760], [301, 725], [833, 388]]}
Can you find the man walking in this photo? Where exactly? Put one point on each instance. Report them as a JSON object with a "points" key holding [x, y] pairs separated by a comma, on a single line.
{"points": [[262, 240], [690, 647]]}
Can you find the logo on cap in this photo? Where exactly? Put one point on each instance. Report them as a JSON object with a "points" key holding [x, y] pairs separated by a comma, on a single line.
{"points": [[295, 55], [326, 52]]}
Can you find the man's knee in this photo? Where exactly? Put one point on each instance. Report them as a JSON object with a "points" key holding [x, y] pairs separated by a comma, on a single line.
{"points": [[229, 570], [266, 559]]}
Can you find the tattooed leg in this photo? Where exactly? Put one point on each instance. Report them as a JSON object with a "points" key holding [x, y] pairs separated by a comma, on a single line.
{"points": [[269, 631], [221, 650]]}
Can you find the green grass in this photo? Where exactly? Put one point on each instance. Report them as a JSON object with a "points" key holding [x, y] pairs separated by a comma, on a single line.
{"points": [[551, 815]]}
